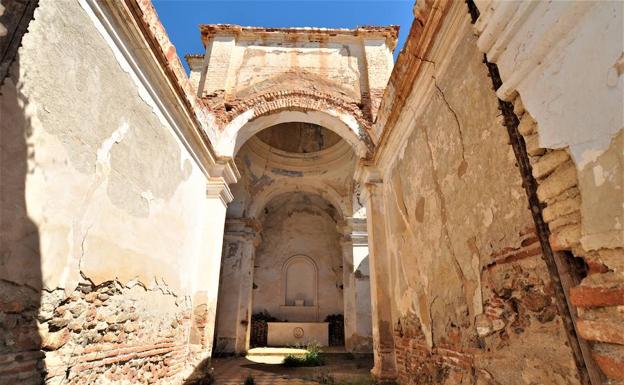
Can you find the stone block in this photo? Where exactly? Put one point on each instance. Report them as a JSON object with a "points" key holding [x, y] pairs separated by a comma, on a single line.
{"points": [[532, 145], [566, 237], [527, 125], [483, 325], [563, 178], [518, 106], [603, 331], [565, 220], [561, 208], [54, 340], [547, 163]]}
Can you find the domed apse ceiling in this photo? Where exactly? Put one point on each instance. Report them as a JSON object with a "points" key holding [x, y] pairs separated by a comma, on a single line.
{"points": [[299, 137]]}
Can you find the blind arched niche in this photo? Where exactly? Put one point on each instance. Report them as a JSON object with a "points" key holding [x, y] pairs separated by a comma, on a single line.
{"points": [[300, 289]]}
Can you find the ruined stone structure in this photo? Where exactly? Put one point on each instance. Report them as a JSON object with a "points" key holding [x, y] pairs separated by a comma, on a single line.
{"points": [[297, 107], [460, 210]]}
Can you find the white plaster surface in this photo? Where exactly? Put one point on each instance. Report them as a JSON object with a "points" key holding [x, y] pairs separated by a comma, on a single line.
{"points": [[564, 59], [298, 333], [298, 224]]}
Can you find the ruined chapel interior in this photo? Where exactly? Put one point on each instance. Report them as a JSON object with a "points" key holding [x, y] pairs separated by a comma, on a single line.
{"points": [[453, 217]]}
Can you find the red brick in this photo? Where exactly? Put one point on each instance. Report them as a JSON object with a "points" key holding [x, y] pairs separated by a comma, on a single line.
{"points": [[611, 364], [586, 296], [603, 331], [11, 307]]}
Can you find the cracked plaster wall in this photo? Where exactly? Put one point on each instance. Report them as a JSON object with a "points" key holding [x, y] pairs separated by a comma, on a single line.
{"points": [[298, 224], [264, 169], [546, 53], [348, 69], [242, 66], [270, 175], [471, 296], [97, 191], [550, 56]]}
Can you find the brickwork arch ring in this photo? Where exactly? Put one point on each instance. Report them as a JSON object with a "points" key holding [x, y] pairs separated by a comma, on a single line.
{"points": [[351, 127]]}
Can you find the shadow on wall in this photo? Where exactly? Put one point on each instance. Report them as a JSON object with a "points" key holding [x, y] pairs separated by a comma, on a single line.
{"points": [[202, 374], [21, 345]]}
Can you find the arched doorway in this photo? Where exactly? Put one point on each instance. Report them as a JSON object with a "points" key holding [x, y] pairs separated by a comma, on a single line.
{"points": [[297, 186]]}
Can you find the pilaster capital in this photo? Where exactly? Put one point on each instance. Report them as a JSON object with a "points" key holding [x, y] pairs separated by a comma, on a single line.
{"points": [[225, 168], [353, 230], [368, 174], [218, 188], [243, 229]]}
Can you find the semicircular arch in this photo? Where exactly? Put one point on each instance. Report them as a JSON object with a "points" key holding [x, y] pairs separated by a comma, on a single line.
{"points": [[262, 199], [346, 122]]}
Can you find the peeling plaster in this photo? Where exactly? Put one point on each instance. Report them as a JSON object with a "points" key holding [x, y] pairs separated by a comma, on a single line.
{"points": [[103, 153]]}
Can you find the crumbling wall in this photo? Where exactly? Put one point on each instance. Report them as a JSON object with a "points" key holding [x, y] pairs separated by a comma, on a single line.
{"points": [[597, 288], [574, 147], [259, 69], [244, 60], [102, 215], [280, 62], [472, 299], [298, 224]]}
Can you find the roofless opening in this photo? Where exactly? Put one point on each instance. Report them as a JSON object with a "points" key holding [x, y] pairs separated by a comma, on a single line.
{"points": [[299, 137]]}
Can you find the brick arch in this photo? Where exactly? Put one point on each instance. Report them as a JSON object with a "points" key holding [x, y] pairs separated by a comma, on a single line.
{"points": [[252, 115]]}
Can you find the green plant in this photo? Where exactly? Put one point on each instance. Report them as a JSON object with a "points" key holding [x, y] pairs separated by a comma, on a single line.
{"points": [[250, 380], [312, 357], [264, 316]]}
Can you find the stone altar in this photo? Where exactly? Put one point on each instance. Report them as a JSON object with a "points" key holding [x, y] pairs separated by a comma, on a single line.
{"points": [[297, 333]]}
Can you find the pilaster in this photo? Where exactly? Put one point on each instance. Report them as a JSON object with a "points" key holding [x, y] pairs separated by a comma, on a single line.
{"points": [[241, 237], [204, 299], [219, 49], [356, 285], [348, 284], [379, 64], [384, 369]]}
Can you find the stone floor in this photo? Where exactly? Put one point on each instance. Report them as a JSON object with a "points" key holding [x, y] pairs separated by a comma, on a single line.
{"points": [[266, 369]]}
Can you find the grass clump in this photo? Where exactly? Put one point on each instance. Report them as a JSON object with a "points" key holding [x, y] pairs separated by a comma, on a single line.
{"points": [[312, 357]]}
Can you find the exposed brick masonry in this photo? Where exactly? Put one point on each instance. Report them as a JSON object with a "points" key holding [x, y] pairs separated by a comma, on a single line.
{"points": [[105, 332], [517, 296]]}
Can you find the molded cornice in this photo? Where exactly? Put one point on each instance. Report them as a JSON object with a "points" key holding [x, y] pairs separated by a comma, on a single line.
{"points": [[429, 18]]}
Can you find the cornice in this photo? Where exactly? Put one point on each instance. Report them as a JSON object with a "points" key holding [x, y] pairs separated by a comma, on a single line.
{"points": [[337, 157], [245, 229], [407, 69], [225, 168], [500, 22], [367, 174], [390, 33], [218, 188]]}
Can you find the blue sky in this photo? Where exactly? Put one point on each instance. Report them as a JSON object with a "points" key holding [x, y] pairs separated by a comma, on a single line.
{"points": [[181, 18]]}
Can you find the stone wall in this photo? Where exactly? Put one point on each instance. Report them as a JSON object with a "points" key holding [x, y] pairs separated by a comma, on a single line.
{"points": [[471, 296], [114, 333], [103, 215]]}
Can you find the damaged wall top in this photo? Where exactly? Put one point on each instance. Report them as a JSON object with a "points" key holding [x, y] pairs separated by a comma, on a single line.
{"points": [[245, 62]]}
